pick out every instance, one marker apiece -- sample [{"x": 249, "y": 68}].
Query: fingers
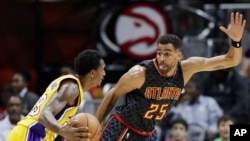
[
  {"x": 237, "y": 19},
  {"x": 224, "y": 29},
  {"x": 82, "y": 129},
  {"x": 240, "y": 19},
  {"x": 72, "y": 123},
  {"x": 81, "y": 136},
  {"x": 80, "y": 139},
  {"x": 244, "y": 23},
  {"x": 232, "y": 18}
]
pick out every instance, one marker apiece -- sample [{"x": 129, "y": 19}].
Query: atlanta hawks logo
[{"x": 134, "y": 31}]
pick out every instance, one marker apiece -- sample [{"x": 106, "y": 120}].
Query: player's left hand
[{"x": 237, "y": 25}]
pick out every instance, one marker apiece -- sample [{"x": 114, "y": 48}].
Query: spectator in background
[
  {"x": 229, "y": 89},
  {"x": 245, "y": 73},
  {"x": 14, "y": 114},
  {"x": 19, "y": 85},
  {"x": 67, "y": 68},
  {"x": 199, "y": 111},
  {"x": 5, "y": 93},
  {"x": 224, "y": 128},
  {"x": 178, "y": 130},
  {"x": 245, "y": 66}
]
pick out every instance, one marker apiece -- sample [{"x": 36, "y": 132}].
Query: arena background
[{"x": 42, "y": 34}]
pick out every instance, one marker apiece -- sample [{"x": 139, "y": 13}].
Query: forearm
[
  {"x": 105, "y": 107},
  {"x": 48, "y": 120},
  {"x": 235, "y": 55}
]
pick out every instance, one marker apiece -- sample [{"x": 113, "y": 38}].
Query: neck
[
  {"x": 85, "y": 82},
  {"x": 170, "y": 73}
]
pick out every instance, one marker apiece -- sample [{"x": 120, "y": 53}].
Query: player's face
[
  {"x": 179, "y": 131},
  {"x": 99, "y": 73},
  {"x": 167, "y": 57}
]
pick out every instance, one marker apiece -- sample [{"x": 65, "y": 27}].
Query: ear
[
  {"x": 180, "y": 55},
  {"x": 92, "y": 73}
]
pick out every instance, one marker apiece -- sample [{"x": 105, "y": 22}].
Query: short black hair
[
  {"x": 179, "y": 120},
  {"x": 172, "y": 39},
  {"x": 86, "y": 61},
  {"x": 25, "y": 74},
  {"x": 14, "y": 95}
]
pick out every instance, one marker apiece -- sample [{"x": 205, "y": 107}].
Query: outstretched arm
[
  {"x": 136, "y": 75},
  {"x": 232, "y": 58}
]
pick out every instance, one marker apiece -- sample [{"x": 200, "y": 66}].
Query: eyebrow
[{"x": 164, "y": 50}]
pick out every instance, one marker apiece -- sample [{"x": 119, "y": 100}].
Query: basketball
[{"x": 89, "y": 120}]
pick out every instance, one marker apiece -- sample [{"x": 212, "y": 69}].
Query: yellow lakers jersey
[{"x": 31, "y": 120}]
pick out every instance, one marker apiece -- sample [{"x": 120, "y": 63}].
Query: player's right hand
[{"x": 73, "y": 133}]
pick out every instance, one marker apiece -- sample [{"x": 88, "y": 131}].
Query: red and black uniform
[{"x": 136, "y": 118}]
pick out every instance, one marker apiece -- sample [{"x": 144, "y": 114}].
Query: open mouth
[{"x": 162, "y": 67}]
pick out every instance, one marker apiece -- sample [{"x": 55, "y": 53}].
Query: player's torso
[
  {"x": 31, "y": 120},
  {"x": 144, "y": 107}
]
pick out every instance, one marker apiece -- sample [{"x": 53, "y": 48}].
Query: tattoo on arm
[{"x": 219, "y": 67}]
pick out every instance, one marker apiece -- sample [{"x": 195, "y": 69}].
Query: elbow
[
  {"x": 41, "y": 118},
  {"x": 233, "y": 61},
  {"x": 236, "y": 62},
  {"x": 113, "y": 100}
]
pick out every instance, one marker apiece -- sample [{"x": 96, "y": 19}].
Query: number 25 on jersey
[{"x": 156, "y": 111}]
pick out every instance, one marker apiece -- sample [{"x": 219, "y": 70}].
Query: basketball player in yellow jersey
[{"x": 51, "y": 113}]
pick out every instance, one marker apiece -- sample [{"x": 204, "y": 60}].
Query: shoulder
[
  {"x": 136, "y": 71},
  {"x": 134, "y": 77},
  {"x": 210, "y": 100},
  {"x": 4, "y": 121},
  {"x": 190, "y": 61},
  {"x": 70, "y": 84},
  {"x": 70, "y": 88}
]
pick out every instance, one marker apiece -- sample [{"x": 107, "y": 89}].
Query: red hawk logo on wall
[{"x": 133, "y": 30}]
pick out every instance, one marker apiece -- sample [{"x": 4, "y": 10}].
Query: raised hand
[{"x": 236, "y": 29}]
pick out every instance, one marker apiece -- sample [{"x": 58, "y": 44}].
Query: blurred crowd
[{"x": 209, "y": 104}]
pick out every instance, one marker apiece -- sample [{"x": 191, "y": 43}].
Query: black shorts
[{"x": 117, "y": 131}]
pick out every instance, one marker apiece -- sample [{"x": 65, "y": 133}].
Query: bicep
[
  {"x": 130, "y": 81},
  {"x": 64, "y": 95},
  {"x": 194, "y": 65},
  {"x": 55, "y": 105},
  {"x": 199, "y": 64},
  {"x": 209, "y": 64}
]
